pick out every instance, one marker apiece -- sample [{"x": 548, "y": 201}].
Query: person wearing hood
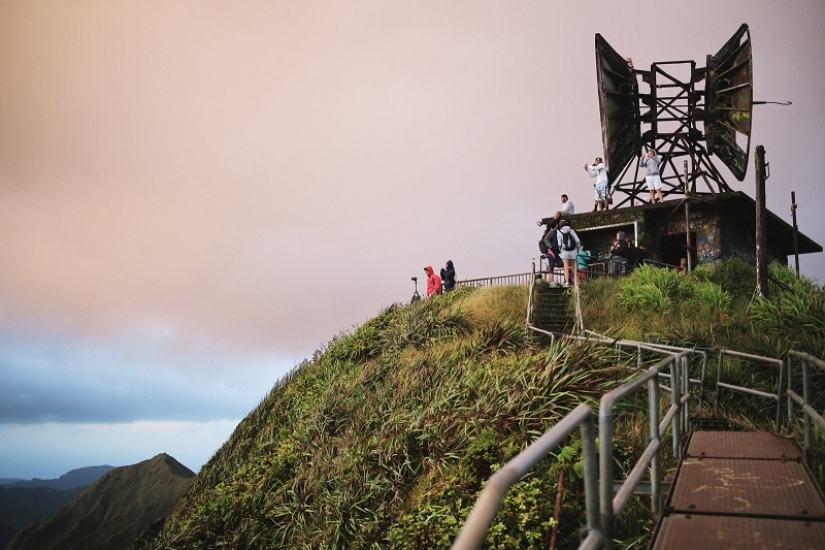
[
  {"x": 569, "y": 245},
  {"x": 619, "y": 249},
  {"x": 448, "y": 276},
  {"x": 651, "y": 161},
  {"x": 601, "y": 195},
  {"x": 433, "y": 282}
]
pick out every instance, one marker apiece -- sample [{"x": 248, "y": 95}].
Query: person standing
[
  {"x": 448, "y": 276},
  {"x": 601, "y": 198},
  {"x": 433, "y": 282},
  {"x": 620, "y": 251},
  {"x": 651, "y": 161},
  {"x": 567, "y": 208},
  {"x": 569, "y": 245}
]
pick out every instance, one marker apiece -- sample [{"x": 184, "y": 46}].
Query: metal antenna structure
[{"x": 686, "y": 113}]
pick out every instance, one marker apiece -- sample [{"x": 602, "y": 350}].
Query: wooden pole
[
  {"x": 761, "y": 217},
  {"x": 795, "y": 233}
]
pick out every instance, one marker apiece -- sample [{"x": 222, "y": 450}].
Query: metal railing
[
  {"x": 810, "y": 415},
  {"x": 474, "y": 532},
  {"x": 597, "y": 480},
  {"x": 509, "y": 280},
  {"x": 741, "y": 389}
]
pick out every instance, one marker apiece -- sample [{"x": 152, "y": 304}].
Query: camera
[{"x": 414, "y": 279}]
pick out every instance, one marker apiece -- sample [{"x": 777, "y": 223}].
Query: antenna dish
[
  {"x": 618, "y": 107},
  {"x": 729, "y": 102}
]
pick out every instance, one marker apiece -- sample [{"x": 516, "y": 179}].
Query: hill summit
[{"x": 113, "y": 511}]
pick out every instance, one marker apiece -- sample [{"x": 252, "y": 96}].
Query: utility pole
[
  {"x": 795, "y": 233},
  {"x": 761, "y": 217}
]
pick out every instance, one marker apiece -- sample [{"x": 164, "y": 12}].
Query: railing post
[
  {"x": 606, "y": 473},
  {"x": 719, "y": 379},
  {"x": 806, "y": 396},
  {"x": 676, "y": 401},
  {"x": 655, "y": 488}
]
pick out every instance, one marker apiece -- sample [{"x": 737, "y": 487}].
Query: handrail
[
  {"x": 598, "y": 477},
  {"x": 474, "y": 532},
  {"x": 511, "y": 280},
  {"x": 809, "y": 413},
  {"x": 776, "y": 397},
  {"x": 611, "y": 506}
]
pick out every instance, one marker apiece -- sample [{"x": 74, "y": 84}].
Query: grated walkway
[{"x": 742, "y": 490}]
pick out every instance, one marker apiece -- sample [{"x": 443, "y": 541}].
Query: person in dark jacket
[
  {"x": 620, "y": 252},
  {"x": 433, "y": 282},
  {"x": 448, "y": 276}
]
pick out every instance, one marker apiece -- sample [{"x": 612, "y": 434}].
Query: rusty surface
[
  {"x": 738, "y": 533},
  {"x": 767, "y": 488},
  {"x": 757, "y": 445}
]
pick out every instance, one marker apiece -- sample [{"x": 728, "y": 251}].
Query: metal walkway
[{"x": 742, "y": 490}]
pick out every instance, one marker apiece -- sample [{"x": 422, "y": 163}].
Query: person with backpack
[
  {"x": 569, "y": 245},
  {"x": 602, "y": 184},
  {"x": 448, "y": 276},
  {"x": 549, "y": 247}
]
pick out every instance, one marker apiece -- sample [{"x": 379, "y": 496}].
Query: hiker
[
  {"x": 601, "y": 198},
  {"x": 549, "y": 246},
  {"x": 569, "y": 245},
  {"x": 651, "y": 161},
  {"x": 567, "y": 208},
  {"x": 448, "y": 276},
  {"x": 582, "y": 259},
  {"x": 619, "y": 249},
  {"x": 433, "y": 282}
]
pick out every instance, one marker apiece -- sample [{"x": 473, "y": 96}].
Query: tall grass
[{"x": 385, "y": 438}]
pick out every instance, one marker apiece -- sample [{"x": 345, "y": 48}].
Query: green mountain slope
[
  {"x": 113, "y": 511},
  {"x": 385, "y": 438}
]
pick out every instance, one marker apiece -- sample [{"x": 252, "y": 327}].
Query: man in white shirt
[
  {"x": 601, "y": 198},
  {"x": 567, "y": 208}
]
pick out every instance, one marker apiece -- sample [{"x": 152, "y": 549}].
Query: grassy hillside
[{"x": 384, "y": 438}]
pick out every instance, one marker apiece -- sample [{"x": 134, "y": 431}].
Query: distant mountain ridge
[
  {"x": 27, "y": 501},
  {"x": 79, "y": 477},
  {"x": 113, "y": 511}
]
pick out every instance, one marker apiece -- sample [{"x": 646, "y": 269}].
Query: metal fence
[
  {"x": 598, "y": 473},
  {"x": 672, "y": 374}
]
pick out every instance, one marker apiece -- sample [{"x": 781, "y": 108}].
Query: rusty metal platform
[
  {"x": 746, "y": 490},
  {"x": 754, "y": 445},
  {"x": 738, "y": 533}
]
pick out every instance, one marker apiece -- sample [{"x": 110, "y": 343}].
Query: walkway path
[{"x": 742, "y": 490}]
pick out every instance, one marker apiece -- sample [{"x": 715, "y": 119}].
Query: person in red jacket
[{"x": 433, "y": 281}]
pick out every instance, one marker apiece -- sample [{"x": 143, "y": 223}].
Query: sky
[{"x": 197, "y": 195}]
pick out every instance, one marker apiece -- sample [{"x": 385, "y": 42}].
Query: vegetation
[{"x": 385, "y": 438}]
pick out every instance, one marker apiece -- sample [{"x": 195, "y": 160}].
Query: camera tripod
[{"x": 416, "y": 296}]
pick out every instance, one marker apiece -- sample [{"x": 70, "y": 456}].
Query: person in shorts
[
  {"x": 601, "y": 196},
  {"x": 651, "y": 161}
]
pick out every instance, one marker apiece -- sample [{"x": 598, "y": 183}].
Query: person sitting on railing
[
  {"x": 567, "y": 208},
  {"x": 433, "y": 282},
  {"x": 448, "y": 276}
]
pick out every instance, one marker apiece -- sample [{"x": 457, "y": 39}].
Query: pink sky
[{"x": 208, "y": 191}]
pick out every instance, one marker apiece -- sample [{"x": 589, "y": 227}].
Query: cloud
[
  {"x": 50, "y": 450},
  {"x": 136, "y": 377}
]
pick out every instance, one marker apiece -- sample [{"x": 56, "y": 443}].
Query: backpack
[
  {"x": 542, "y": 246},
  {"x": 567, "y": 241}
]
